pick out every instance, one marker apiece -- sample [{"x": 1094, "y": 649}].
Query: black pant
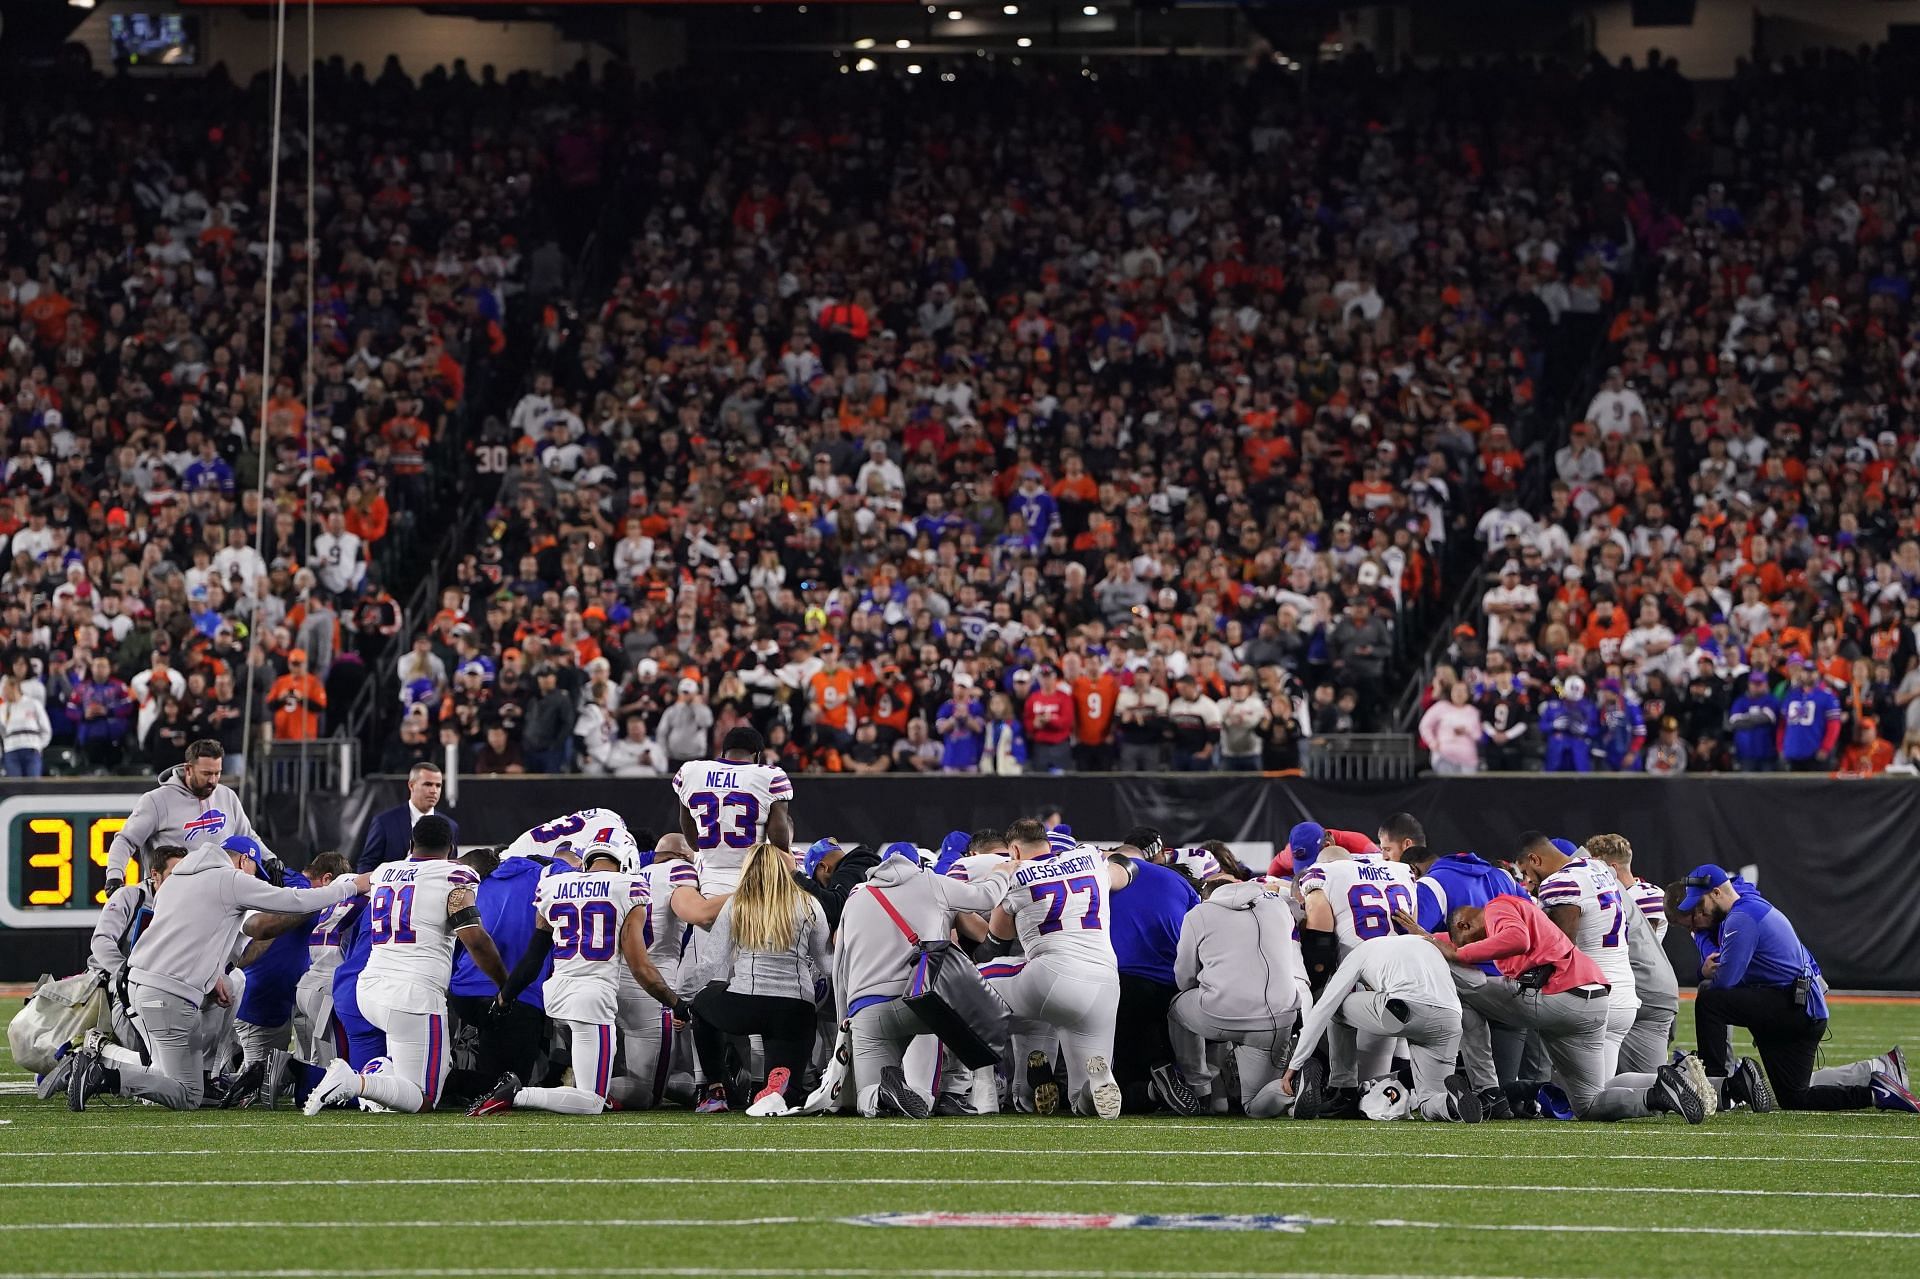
[
  {"x": 1140, "y": 1039},
  {"x": 1787, "y": 1038},
  {"x": 786, "y": 1026},
  {"x": 1103, "y": 758},
  {"x": 1813, "y": 765},
  {"x": 509, "y": 1042}
]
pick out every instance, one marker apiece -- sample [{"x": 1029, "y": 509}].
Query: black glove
[
  {"x": 682, "y": 1011},
  {"x": 115, "y": 883},
  {"x": 499, "y": 1008}
]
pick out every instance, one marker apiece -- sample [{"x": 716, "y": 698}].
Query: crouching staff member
[
  {"x": 1763, "y": 978},
  {"x": 1219, "y": 999},
  {"x": 1549, "y": 986},
  {"x": 177, "y": 964},
  {"x": 1409, "y": 996},
  {"x": 871, "y": 973},
  {"x": 759, "y": 966}
]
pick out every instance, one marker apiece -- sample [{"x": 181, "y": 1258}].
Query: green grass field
[{"x": 127, "y": 1190}]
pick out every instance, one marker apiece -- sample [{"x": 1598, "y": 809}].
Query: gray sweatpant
[
  {"x": 1432, "y": 1035},
  {"x": 1575, "y": 1033},
  {"x": 177, "y": 1033},
  {"x": 1259, "y": 1054},
  {"x": 1645, "y": 1048},
  {"x": 881, "y": 1033}
]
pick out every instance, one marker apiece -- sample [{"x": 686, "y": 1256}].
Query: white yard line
[
  {"x": 1051, "y": 1183},
  {"x": 706, "y": 1272},
  {"x": 1023, "y": 1151},
  {"x": 1560, "y": 1228}
]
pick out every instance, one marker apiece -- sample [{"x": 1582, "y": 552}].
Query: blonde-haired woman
[{"x": 767, "y": 950}]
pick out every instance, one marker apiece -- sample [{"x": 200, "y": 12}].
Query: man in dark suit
[{"x": 389, "y": 833}]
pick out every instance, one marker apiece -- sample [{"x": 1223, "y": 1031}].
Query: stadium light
[
  {"x": 913, "y": 68},
  {"x": 1024, "y": 42},
  {"x": 81, "y": 4},
  {"x": 954, "y": 15},
  {"x": 1010, "y": 9},
  {"x": 1092, "y": 10},
  {"x": 865, "y": 64},
  {"x": 903, "y": 43},
  {"x": 864, "y": 42}
]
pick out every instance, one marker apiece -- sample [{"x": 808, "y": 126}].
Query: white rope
[
  {"x": 266, "y": 364},
  {"x": 312, "y": 270}
]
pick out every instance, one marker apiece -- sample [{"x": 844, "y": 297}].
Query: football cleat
[
  {"x": 55, "y": 1080},
  {"x": 1463, "y": 1103},
  {"x": 245, "y": 1086},
  {"x": 714, "y": 1102},
  {"x": 87, "y": 1077},
  {"x": 952, "y": 1106},
  {"x": 499, "y": 1098},
  {"x": 1705, "y": 1088},
  {"x": 1107, "y": 1097},
  {"x": 771, "y": 1102},
  {"x": 1672, "y": 1091},
  {"x": 897, "y": 1097},
  {"x": 1750, "y": 1086},
  {"x": 1888, "y": 1094},
  {"x": 1046, "y": 1089},
  {"x": 1897, "y": 1065},
  {"x": 1494, "y": 1104},
  {"x": 338, "y": 1087},
  {"x": 1310, "y": 1089},
  {"x": 1174, "y": 1090}
]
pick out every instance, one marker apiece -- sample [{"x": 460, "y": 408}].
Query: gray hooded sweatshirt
[
  {"x": 1223, "y": 942},
  {"x": 197, "y": 914},
  {"x": 870, "y": 953},
  {"x": 172, "y": 814}
]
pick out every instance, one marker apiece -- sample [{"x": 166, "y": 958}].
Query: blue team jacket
[
  {"x": 1147, "y": 916},
  {"x": 268, "y": 998},
  {"x": 1460, "y": 879},
  {"x": 506, "y": 911}
]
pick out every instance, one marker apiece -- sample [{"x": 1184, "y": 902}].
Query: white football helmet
[{"x": 1386, "y": 1098}]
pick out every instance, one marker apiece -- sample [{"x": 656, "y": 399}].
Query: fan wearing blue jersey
[{"x": 591, "y": 925}]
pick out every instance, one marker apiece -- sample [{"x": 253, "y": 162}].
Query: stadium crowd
[
  {"x": 938, "y": 468},
  {"x": 1724, "y": 572},
  {"x": 1018, "y": 969}
]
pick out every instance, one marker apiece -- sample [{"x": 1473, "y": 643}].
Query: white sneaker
[
  {"x": 1702, "y": 1084},
  {"x": 1105, "y": 1088},
  {"x": 340, "y": 1085},
  {"x": 770, "y": 1106}
]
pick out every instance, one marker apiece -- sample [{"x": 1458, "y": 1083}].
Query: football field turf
[{"x": 127, "y": 1190}]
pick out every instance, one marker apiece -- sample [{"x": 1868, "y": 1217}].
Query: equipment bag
[
  {"x": 950, "y": 997},
  {"x": 58, "y": 1013}
]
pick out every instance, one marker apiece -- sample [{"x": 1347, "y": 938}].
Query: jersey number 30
[
  {"x": 588, "y": 931},
  {"x": 738, "y": 810}
]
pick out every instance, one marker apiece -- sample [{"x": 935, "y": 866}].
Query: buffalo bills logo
[{"x": 208, "y": 823}]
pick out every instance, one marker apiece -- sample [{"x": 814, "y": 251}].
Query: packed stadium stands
[{"x": 1145, "y": 419}]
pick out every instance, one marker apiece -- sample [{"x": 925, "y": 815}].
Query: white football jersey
[
  {"x": 1363, "y": 890},
  {"x": 570, "y": 833},
  {"x": 975, "y": 865},
  {"x": 1652, "y": 901},
  {"x": 666, "y": 932},
  {"x": 730, "y": 802},
  {"x": 1059, "y": 908},
  {"x": 587, "y": 912},
  {"x": 411, "y": 959},
  {"x": 326, "y": 938},
  {"x": 1602, "y": 933}
]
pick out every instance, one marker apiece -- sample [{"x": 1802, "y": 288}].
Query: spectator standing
[
  {"x": 1244, "y": 720},
  {"x": 1755, "y": 722},
  {"x": 1810, "y": 720},
  {"x": 1143, "y": 728},
  {"x": 1096, "y": 696},
  {"x": 24, "y": 729},
  {"x": 1194, "y": 721},
  {"x": 637, "y": 754},
  {"x": 297, "y": 699},
  {"x": 547, "y": 735},
  {"x": 1005, "y": 752},
  {"x": 1451, "y": 731},
  {"x": 686, "y": 726},
  {"x": 1049, "y": 719},
  {"x": 962, "y": 724}
]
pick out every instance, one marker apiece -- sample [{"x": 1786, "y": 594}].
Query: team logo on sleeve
[{"x": 209, "y": 824}]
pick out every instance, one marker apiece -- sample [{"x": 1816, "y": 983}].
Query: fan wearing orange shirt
[
  {"x": 1869, "y": 754},
  {"x": 297, "y": 699},
  {"x": 830, "y": 700},
  {"x": 1093, "y": 702},
  {"x": 1605, "y": 629}
]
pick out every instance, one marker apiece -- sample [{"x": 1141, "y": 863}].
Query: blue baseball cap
[
  {"x": 952, "y": 849},
  {"x": 1700, "y": 881},
  {"x": 1566, "y": 846},
  {"x": 817, "y": 852},
  {"x": 901, "y": 848},
  {"x": 249, "y": 847},
  {"x": 1304, "y": 842}
]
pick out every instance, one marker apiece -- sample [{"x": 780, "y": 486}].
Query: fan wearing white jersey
[
  {"x": 1353, "y": 896},
  {"x": 416, "y": 910},
  {"x": 728, "y": 805},
  {"x": 1583, "y": 898},
  {"x": 1069, "y": 981},
  {"x": 318, "y": 1037},
  {"x": 594, "y": 926},
  {"x": 569, "y": 834}
]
